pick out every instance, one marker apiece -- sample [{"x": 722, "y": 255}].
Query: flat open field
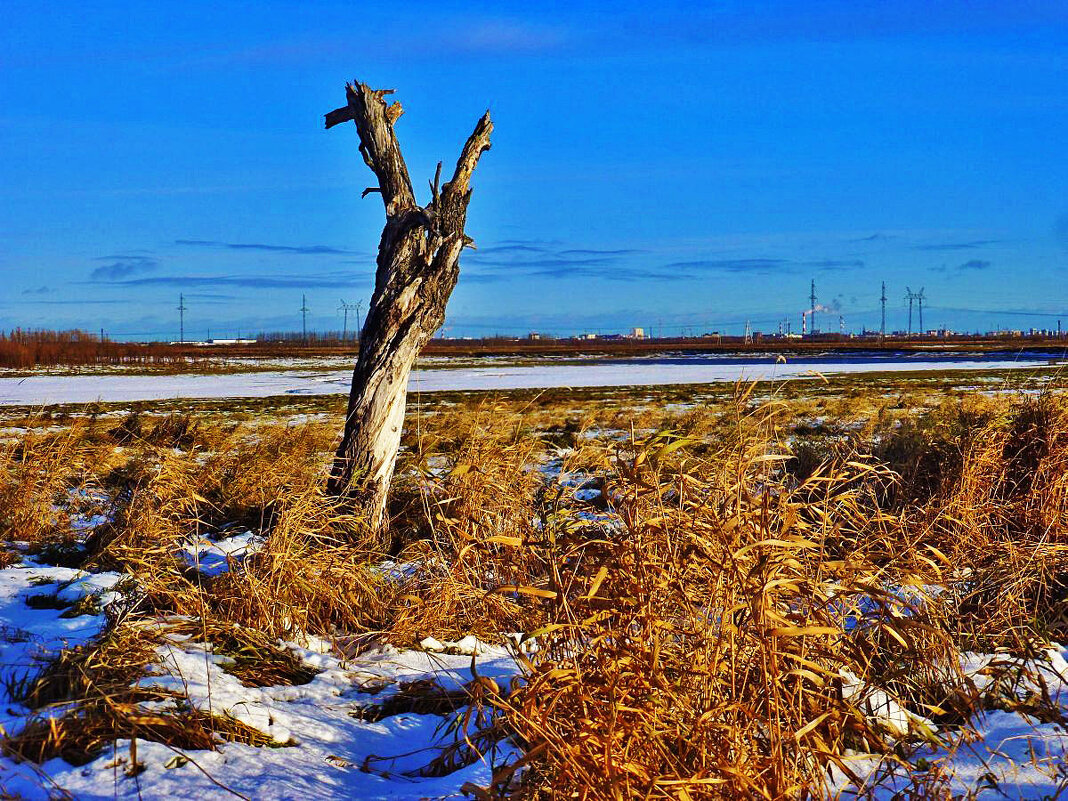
[{"x": 327, "y": 376}]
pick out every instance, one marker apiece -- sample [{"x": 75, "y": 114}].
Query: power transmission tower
[
  {"x": 748, "y": 334},
  {"x": 812, "y": 306},
  {"x": 920, "y": 298},
  {"x": 304, "y": 318},
  {"x": 882, "y": 325},
  {"x": 910, "y": 296},
  {"x": 346, "y": 308},
  {"x": 181, "y": 318}
]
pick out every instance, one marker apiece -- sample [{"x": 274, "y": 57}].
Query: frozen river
[{"x": 45, "y": 390}]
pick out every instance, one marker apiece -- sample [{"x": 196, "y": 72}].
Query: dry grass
[
  {"x": 309, "y": 578},
  {"x": 95, "y": 685},
  {"x": 482, "y": 505},
  {"x": 1002, "y": 520},
  {"x": 81, "y": 736},
  {"x": 37, "y": 471},
  {"x": 699, "y": 646},
  {"x": 713, "y": 625}
]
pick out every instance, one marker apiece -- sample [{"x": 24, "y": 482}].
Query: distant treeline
[
  {"x": 23, "y": 349},
  {"x": 26, "y": 349}
]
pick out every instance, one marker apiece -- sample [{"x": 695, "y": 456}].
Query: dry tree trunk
[{"x": 418, "y": 266}]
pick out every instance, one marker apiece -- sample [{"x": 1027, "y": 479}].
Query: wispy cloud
[
  {"x": 304, "y": 250},
  {"x": 730, "y": 265},
  {"x": 502, "y": 262},
  {"x": 876, "y": 237},
  {"x": 210, "y": 297},
  {"x": 433, "y": 37},
  {"x": 592, "y": 252},
  {"x": 324, "y": 281},
  {"x": 970, "y": 265},
  {"x": 122, "y": 265},
  {"x": 764, "y": 265},
  {"x": 41, "y": 290},
  {"x": 973, "y": 245},
  {"x": 496, "y": 250},
  {"x": 548, "y": 261},
  {"x": 83, "y": 302},
  {"x": 532, "y": 258},
  {"x": 614, "y": 272},
  {"x": 834, "y": 264}
]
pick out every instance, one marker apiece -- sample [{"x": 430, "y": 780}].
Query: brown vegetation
[
  {"x": 713, "y": 624},
  {"x": 25, "y": 349}
]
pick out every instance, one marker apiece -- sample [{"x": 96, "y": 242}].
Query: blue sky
[{"x": 686, "y": 168}]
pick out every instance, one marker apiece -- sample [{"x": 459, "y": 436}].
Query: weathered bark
[{"x": 418, "y": 266}]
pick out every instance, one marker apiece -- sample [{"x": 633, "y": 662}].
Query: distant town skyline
[{"x": 688, "y": 169}]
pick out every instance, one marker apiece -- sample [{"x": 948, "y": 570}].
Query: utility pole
[
  {"x": 920, "y": 298},
  {"x": 812, "y": 306},
  {"x": 910, "y": 296},
  {"x": 882, "y": 325},
  {"x": 181, "y": 318},
  {"x": 304, "y": 318}
]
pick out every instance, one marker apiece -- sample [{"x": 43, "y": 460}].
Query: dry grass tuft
[
  {"x": 95, "y": 685},
  {"x": 477, "y": 511},
  {"x": 1002, "y": 521},
  {"x": 258, "y": 659},
  {"x": 37, "y": 472},
  {"x": 312, "y": 576},
  {"x": 718, "y": 639},
  {"x": 82, "y": 735}
]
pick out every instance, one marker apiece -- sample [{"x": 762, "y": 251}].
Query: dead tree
[{"x": 418, "y": 266}]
